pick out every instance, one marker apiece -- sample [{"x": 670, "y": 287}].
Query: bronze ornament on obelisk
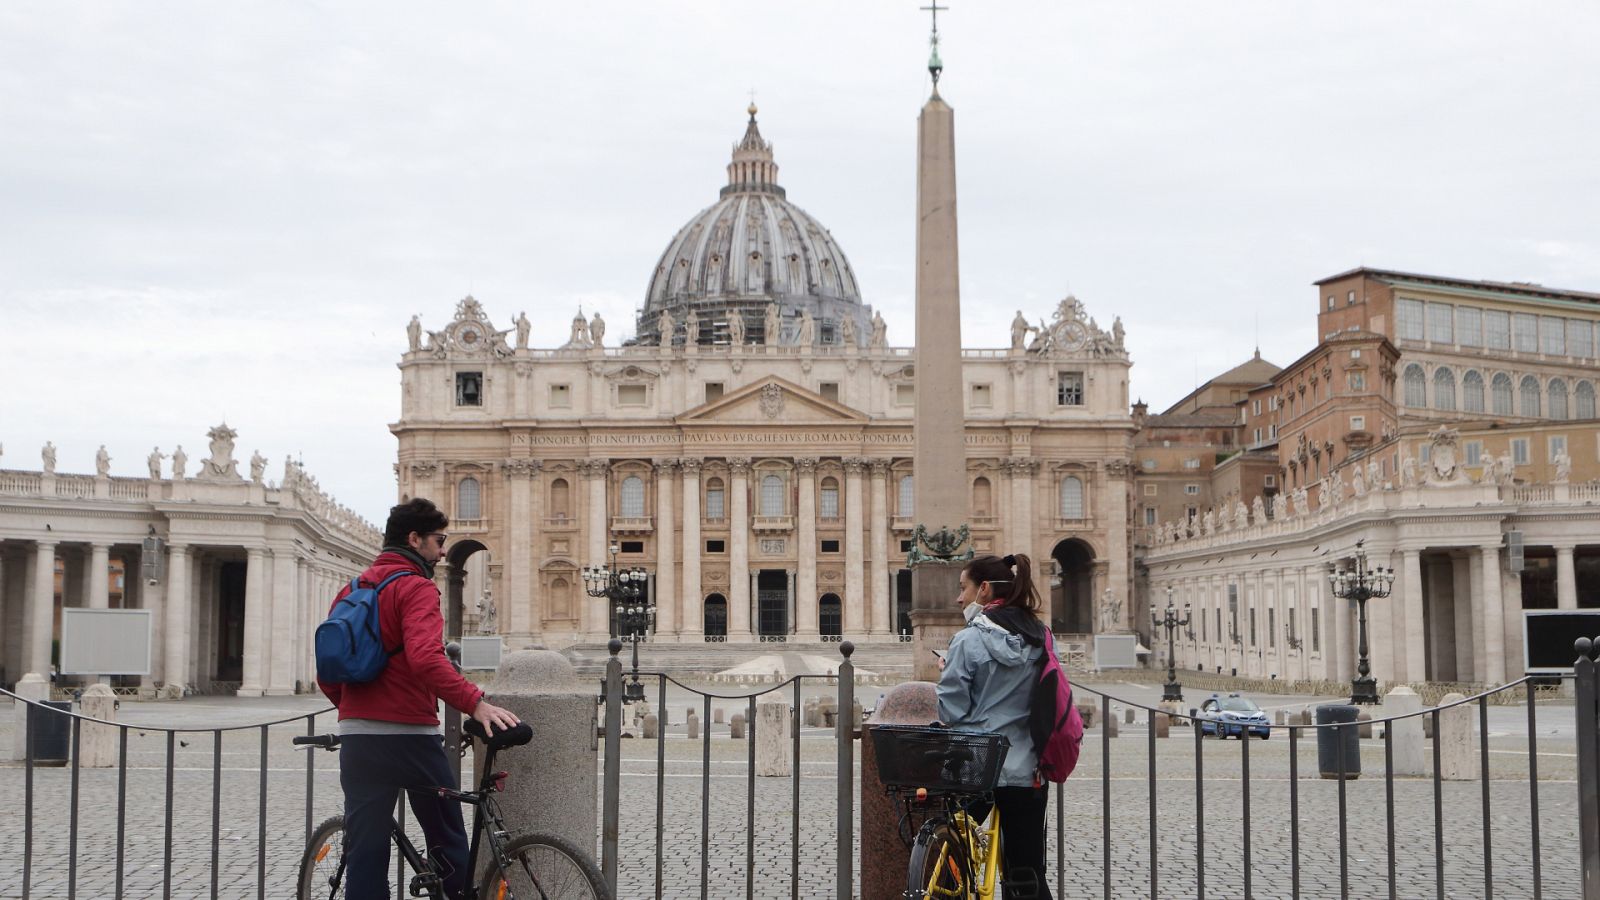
[{"x": 939, "y": 502}]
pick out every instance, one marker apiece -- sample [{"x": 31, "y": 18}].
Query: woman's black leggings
[{"x": 1022, "y": 840}]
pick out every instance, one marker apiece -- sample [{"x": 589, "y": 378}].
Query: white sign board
[
  {"x": 1116, "y": 651},
  {"x": 105, "y": 641},
  {"x": 480, "y": 653}
]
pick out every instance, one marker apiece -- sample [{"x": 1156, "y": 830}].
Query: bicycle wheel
[
  {"x": 322, "y": 864},
  {"x": 546, "y": 867},
  {"x": 939, "y": 866}
]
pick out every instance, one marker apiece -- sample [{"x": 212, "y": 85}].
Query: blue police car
[{"x": 1232, "y": 716}]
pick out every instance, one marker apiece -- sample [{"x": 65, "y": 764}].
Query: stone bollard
[
  {"x": 1161, "y": 722},
  {"x": 1305, "y": 717},
  {"x": 772, "y": 739},
  {"x": 1110, "y": 725},
  {"x": 718, "y": 714},
  {"x": 553, "y": 785},
  {"x": 1364, "y": 730},
  {"x": 1410, "y": 757},
  {"x": 736, "y": 727},
  {"x": 692, "y": 726},
  {"x": 32, "y": 686},
  {"x": 1127, "y": 716},
  {"x": 1427, "y": 727},
  {"x": 652, "y": 727},
  {"x": 1458, "y": 751},
  {"x": 97, "y": 744},
  {"x": 813, "y": 713},
  {"x": 855, "y": 716},
  {"x": 884, "y": 860},
  {"x": 829, "y": 708},
  {"x": 1280, "y": 717}
]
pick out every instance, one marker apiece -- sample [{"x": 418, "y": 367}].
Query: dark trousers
[
  {"x": 373, "y": 769},
  {"x": 1022, "y": 840}
]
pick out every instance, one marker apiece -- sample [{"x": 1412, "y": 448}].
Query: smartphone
[{"x": 936, "y": 653}]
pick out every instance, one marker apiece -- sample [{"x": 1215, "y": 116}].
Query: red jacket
[{"x": 408, "y": 688}]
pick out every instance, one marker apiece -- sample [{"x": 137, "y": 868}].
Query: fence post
[
  {"x": 1587, "y": 691},
  {"x": 613, "y": 787},
  {"x": 844, "y": 726}
]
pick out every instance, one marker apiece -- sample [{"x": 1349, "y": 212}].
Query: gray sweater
[{"x": 986, "y": 685}]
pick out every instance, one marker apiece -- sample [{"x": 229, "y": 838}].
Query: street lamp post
[
  {"x": 1172, "y": 690},
  {"x": 623, "y": 590},
  {"x": 1362, "y": 584}
]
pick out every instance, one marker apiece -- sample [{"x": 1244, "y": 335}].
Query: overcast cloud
[{"x": 231, "y": 210}]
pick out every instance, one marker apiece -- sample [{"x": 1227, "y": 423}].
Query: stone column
[
  {"x": 39, "y": 617},
  {"x": 1021, "y": 529},
  {"x": 882, "y": 618},
  {"x": 97, "y": 586},
  {"x": 1410, "y": 664},
  {"x": 739, "y": 553},
  {"x": 667, "y": 619},
  {"x": 255, "y": 623},
  {"x": 596, "y": 618},
  {"x": 284, "y": 642},
  {"x": 1460, "y": 648},
  {"x": 1566, "y": 578},
  {"x": 1113, "y": 510},
  {"x": 855, "y": 622},
  {"x": 806, "y": 577},
  {"x": 518, "y": 622},
  {"x": 177, "y": 602},
  {"x": 1494, "y": 635},
  {"x": 692, "y": 626}
]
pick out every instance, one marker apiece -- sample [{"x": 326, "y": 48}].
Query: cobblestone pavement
[{"x": 1125, "y": 770}]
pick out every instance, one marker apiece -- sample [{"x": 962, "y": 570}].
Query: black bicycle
[{"x": 522, "y": 867}]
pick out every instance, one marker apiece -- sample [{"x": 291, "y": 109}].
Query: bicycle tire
[
  {"x": 939, "y": 867},
  {"x": 561, "y": 869},
  {"x": 322, "y": 859}
]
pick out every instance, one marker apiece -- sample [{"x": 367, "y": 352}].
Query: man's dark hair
[{"x": 417, "y": 514}]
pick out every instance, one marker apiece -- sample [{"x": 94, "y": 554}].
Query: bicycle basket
[{"x": 939, "y": 759}]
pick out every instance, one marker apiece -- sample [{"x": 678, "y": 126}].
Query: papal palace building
[{"x": 751, "y": 448}]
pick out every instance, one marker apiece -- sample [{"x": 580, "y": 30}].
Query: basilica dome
[{"x": 750, "y": 249}]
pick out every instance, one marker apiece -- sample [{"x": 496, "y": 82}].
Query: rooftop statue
[
  {"x": 597, "y": 330},
  {"x": 47, "y": 453},
  {"x": 102, "y": 462}
]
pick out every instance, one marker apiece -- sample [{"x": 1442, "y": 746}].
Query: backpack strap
[{"x": 355, "y": 583}]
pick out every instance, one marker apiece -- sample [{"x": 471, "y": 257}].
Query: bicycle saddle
[{"x": 505, "y": 737}]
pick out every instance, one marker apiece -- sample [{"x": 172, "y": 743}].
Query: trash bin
[
  {"x": 50, "y": 733},
  {"x": 1329, "y": 739}
]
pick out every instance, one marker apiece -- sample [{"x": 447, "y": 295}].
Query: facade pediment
[{"x": 772, "y": 400}]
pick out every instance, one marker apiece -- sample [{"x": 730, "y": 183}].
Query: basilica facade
[{"x": 750, "y": 448}]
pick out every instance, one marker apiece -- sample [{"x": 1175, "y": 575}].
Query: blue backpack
[{"x": 349, "y": 642}]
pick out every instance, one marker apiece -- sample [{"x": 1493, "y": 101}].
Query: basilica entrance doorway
[
  {"x": 830, "y": 617},
  {"x": 772, "y": 603},
  {"x": 1072, "y": 592},
  {"x": 716, "y": 624},
  {"x": 902, "y": 601}
]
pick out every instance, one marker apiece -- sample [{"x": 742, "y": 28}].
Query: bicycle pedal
[{"x": 424, "y": 884}]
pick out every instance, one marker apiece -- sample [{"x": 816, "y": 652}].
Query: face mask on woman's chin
[{"x": 971, "y": 611}]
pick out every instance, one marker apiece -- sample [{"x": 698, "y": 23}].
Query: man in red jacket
[{"x": 389, "y": 727}]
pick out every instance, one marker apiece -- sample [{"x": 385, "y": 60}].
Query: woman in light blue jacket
[{"x": 987, "y": 684}]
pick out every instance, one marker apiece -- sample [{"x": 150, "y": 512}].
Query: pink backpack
[{"x": 1053, "y": 720}]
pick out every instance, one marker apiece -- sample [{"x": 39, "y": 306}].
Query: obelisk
[{"x": 939, "y": 455}]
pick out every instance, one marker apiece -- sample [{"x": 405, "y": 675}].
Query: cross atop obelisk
[
  {"x": 935, "y": 65},
  {"x": 939, "y": 456}
]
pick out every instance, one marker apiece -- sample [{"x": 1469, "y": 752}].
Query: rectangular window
[
  {"x": 1358, "y": 423},
  {"x": 1316, "y": 631},
  {"x": 633, "y": 546},
  {"x": 1069, "y": 389},
  {"x": 982, "y": 396},
  {"x": 1408, "y": 319},
  {"x": 1526, "y": 329},
  {"x": 1192, "y": 490},
  {"x": 1272, "y": 627},
  {"x": 1150, "y": 490},
  {"x": 905, "y": 546},
  {"x": 1358, "y": 381},
  {"x": 1441, "y": 323},
  {"x": 718, "y": 546},
  {"x": 1272, "y": 432},
  {"x": 1474, "y": 452},
  {"x": 829, "y": 390},
  {"x": 1469, "y": 326},
  {"x": 560, "y": 396},
  {"x": 1203, "y": 629},
  {"x": 1558, "y": 445},
  {"x": 1257, "y": 436},
  {"x": 1330, "y": 301},
  {"x": 1149, "y": 515},
  {"x": 632, "y": 394},
  {"x": 715, "y": 508},
  {"x": 1255, "y": 407},
  {"x": 1496, "y": 329},
  {"x": 830, "y": 546},
  {"x": 905, "y": 394},
  {"x": 713, "y": 391},
  {"x": 1193, "y": 511},
  {"x": 1219, "y": 624},
  {"x": 1519, "y": 451},
  {"x": 1350, "y": 299},
  {"x": 1270, "y": 481},
  {"x": 1252, "y": 626},
  {"x": 1191, "y": 463},
  {"x": 1580, "y": 339},
  {"x": 469, "y": 388},
  {"x": 1552, "y": 336},
  {"x": 830, "y": 503}
]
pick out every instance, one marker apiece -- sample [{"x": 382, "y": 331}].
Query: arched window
[
  {"x": 907, "y": 496},
  {"x": 1472, "y": 391},
  {"x": 716, "y": 499},
  {"x": 982, "y": 497},
  {"x": 1415, "y": 384},
  {"x": 829, "y": 507},
  {"x": 469, "y": 497},
  {"x": 771, "y": 495},
  {"x": 1500, "y": 393},
  {"x": 560, "y": 499},
  {"x": 1529, "y": 389},
  {"x": 1585, "y": 398},
  {"x": 632, "y": 497},
  {"x": 1071, "y": 498},
  {"x": 1444, "y": 388},
  {"x": 1557, "y": 393}
]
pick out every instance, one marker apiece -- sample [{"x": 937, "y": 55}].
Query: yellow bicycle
[{"x": 948, "y": 777}]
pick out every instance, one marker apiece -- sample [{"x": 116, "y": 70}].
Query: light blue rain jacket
[{"x": 987, "y": 682}]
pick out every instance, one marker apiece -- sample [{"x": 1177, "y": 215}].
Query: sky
[{"x": 217, "y": 212}]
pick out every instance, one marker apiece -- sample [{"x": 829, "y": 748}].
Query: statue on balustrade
[
  {"x": 736, "y": 328},
  {"x": 524, "y": 329},
  {"x": 180, "y": 463},
  {"x": 102, "y": 462},
  {"x": 258, "y": 466},
  {"x": 847, "y": 333},
  {"x": 597, "y": 330},
  {"x": 414, "y": 333},
  {"x": 155, "y": 458},
  {"x": 47, "y": 453}
]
